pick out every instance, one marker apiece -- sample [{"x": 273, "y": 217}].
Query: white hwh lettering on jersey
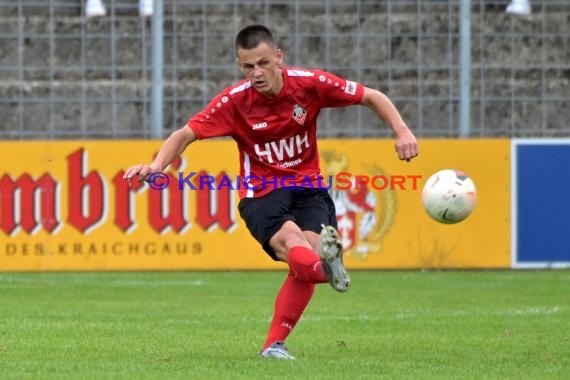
[{"x": 284, "y": 148}]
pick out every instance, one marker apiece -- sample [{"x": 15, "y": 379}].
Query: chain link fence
[{"x": 64, "y": 75}]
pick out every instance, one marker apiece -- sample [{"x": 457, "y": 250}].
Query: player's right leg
[{"x": 270, "y": 222}]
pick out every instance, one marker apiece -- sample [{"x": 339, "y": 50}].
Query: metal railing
[{"x": 64, "y": 75}]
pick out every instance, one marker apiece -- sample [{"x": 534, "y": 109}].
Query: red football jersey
[{"x": 276, "y": 136}]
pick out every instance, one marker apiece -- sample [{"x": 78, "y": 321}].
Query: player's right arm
[
  {"x": 215, "y": 120},
  {"x": 171, "y": 148}
]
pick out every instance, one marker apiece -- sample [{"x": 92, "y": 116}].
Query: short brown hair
[{"x": 251, "y": 36}]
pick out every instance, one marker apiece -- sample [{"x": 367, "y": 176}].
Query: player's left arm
[{"x": 406, "y": 143}]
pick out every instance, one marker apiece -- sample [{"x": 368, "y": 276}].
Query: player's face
[{"x": 261, "y": 65}]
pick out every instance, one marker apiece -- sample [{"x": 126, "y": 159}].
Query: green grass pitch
[{"x": 210, "y": 325}]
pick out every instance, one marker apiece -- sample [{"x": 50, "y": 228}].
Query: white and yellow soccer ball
[{"x": 449, "y": 196}]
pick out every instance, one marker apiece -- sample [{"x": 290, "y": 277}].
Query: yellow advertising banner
[{"x": 65, "y": 206}]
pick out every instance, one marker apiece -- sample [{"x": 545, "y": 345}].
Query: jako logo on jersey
[
  {"x": 284, "y": 148},
  {"x": 260, "y": 125},
  {"x": 299, "y": 114}
]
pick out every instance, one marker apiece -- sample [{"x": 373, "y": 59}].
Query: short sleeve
[
  {"x": 335, "y": 91},
  {"x": 215, "y": 120}
]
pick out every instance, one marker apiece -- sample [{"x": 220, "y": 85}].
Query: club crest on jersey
[{"x": 299, "y": 114}]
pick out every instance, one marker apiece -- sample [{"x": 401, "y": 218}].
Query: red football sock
[
  {"x": 290, "y": 303},
  {"x": 306, "y": 265}
]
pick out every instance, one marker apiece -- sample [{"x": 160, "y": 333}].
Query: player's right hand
[{"x": 140, "y": 172}]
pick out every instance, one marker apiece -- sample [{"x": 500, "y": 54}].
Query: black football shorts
[{"x": 308, "y": 208}]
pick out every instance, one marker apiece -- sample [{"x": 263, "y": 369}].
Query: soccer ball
[{"x": 449, "y": 196}]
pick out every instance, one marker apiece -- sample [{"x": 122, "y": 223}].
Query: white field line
[
  {"x": 423, "y": 314},
  {"x": 13, "y": 281}
]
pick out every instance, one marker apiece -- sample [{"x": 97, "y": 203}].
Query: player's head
[{"x": 259, "y": 59}]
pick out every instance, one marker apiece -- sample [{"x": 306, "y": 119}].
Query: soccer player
[{"x": 272, "y": 116}]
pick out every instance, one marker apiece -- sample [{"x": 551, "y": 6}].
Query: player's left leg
[{"x": 317, "y": 218}]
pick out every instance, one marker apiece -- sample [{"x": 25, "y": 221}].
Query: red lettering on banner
[
  {"x": 84, "y": 216},
  {"x": 124, "y": 207},
  {"x": 174, "y": 216},
  {"x": 31, "y": 204},
  {"x": 28, "y": 188},
  {"x": 214, "y": 206}
]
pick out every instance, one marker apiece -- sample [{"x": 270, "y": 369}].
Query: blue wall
[{"x": 542, "y": 185}]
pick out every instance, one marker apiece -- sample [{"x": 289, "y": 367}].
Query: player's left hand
[{"x": 406, "y": 144}]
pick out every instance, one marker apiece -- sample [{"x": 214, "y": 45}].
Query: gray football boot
[
  {"x": 331, "y": 257},
  {"x": 277, "y": 350}
]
